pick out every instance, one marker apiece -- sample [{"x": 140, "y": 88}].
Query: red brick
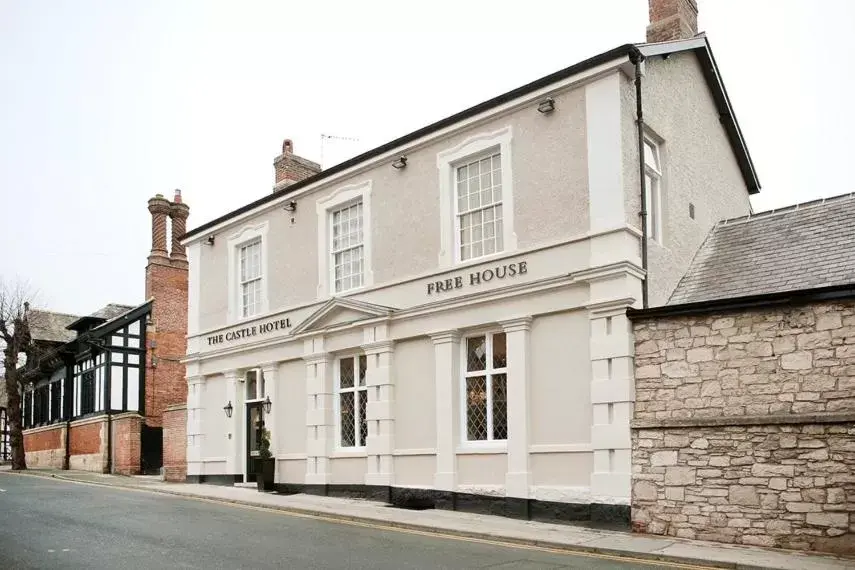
[{"x": 175, "y": 443}]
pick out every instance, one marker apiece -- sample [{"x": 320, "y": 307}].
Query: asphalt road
[{"x": 48, "y": 523}]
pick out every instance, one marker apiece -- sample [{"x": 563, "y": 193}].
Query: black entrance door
[{"x": 254, "y": 427}]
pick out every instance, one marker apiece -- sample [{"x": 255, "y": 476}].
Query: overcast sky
[{"x": 105, "y": 103}]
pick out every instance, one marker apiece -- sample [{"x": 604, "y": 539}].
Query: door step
[{"x": 248, "y": 485}]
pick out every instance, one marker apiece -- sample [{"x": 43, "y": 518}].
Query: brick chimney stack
[
  {"x": 291, "y": 168},
  {"x": 672, "y": 20},
  {"x": 178, "y": 213},
  {"x": 159, "y": 208}
]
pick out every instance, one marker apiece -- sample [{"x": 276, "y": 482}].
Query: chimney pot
[
  {"x": 672, "y": 20},
  {"x": 177, "y": 198},
  {"x": 287, "y": 147}
]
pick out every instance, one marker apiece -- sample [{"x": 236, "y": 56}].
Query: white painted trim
[
  {"x": 235, "y": 241},
  {"x": 323, "y": 208},
  {"x": 481, "y": 449},
  {"x": 212, "y": 460},
  {"x": 413, "y": 452},
  {"x": 490, "y": 115},
  {"x": 355, "y": 454},
  {"x": 561, "y": 448},
  {"x": 446, "y": 162}
]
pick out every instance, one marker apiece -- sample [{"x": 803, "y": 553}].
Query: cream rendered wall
[
  {"x": 215, "y": 442},
  {"x": 549, "y": 158},
  {"x": 415, "y": 470},
  {"x": 560, "y": 388},
  {"x": 562, "y": 469},
  {"x": 699, "y": 165},
  {"x": 482, "y": 469},
  {"x": 291, "y": 408},
  {"x": 348, "y": 470},
  {"x": 415, "y": 395}
]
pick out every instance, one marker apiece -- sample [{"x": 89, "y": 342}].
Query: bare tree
[{"x": 15, "y": 337}]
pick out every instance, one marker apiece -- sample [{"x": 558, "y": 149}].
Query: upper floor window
[
  {"x": 476, "y": 198},
  {"x": 250, "y": 278},
  {"x": 486, "y": 387},
  {"x": 653, "y": 186},
  {"x": 479, "y": 207},
  {"x": 352, "y": 400},
  {"x": 346, "y": 246}
]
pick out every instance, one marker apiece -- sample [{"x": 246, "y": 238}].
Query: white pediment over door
[{"x": 340, "y": 312}]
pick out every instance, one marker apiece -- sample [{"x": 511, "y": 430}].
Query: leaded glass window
[
  {"x": 486, "y": 387},
  {"x": 352, "y": 400}
]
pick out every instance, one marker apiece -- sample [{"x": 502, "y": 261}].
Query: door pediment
[{"x": 340, "y": 312}]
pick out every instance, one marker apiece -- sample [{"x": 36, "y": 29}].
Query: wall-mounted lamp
[
  {"x": 228, "y": 409},
  {"x": 267, "y": 404},
  {"x": 290, "y": 206},
  {"x": 400, "y": 163},
  {"x": 546, "y": 106},
  {"x": 210, "y": 240}
]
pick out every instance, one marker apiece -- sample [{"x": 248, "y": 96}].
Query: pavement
[{"x": 621, "y": 549}]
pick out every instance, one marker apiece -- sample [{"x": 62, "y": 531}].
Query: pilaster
[
  {"x": 518, "y": 477},
  {"x": 195, "y": 426},
  {"x": 446, "y": 346},
  {"x": 380, "y": 411},
  {"x": 233, "y": 433},
  {"x": 320, "y": 422},
  {"x": 270, "y": 371}
]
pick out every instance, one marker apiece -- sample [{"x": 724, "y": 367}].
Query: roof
[
  {"x": 47, "y": 326},
  {"x": 803, "y": 247},
  {"x": 112, "y": 311},
  {"x": 699, "y": 45}
]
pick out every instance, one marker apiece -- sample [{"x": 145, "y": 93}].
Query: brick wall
[
  {"x": 744, "y": 428},
  {"x": 45, "y": 447},
  {"x": 175, "y": 443},
  {"x": 88, "y": 443},
  {"x": 126, "y": 444},
  {"x": 166, "y": 282}
]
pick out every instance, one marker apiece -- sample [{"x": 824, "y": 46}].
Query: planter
[{"x": 265, "y": 471}]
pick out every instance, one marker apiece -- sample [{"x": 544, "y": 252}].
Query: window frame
[
  {"x": 458, "y": 241},
  {"x": 244, "y": 255},
  {"x": 447, "y": 161},
  {"x": 244, "y": 237},
  {"x": 355, "y": 390},
  {"x": 653, "y": 192},
  {"x": 488, "y": 372},
  {"x": 340, "y": 198},
  {"x": 332, "y": 253}
]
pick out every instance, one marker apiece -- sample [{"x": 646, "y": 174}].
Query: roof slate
[
  {"x": 800, "y": 247},
  {"x": 48, "y": 326},
  {"x": 112, "y": 311}
]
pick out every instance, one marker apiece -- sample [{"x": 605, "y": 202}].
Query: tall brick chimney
[
  {"x": 291, "y": 168},
  {"x": 178, "y": 213},
  {"x": 166, "y": 284},
  {"x": 672, "y": 20}
]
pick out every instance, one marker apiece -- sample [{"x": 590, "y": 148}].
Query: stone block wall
[
  {"x": 744, "y": 427},
  {"x": 175, "y": 443},
  {"x": 44, "y": 447}
]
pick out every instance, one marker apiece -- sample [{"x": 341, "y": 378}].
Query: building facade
[
  {"x": 99, "y": 386},
  {"x": 445, "y": 316}
]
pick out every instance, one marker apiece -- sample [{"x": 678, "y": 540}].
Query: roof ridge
[
  {"x": 786, "y": 209},
  {"x": 54, "y": 313}
]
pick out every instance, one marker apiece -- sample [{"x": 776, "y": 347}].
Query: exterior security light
[
  {"x": 267, "y": 405},
  {"x": 290, "y": 206},
  {"x": 546, "y": 106},
  {"x": 400, "y": 163},
  {"x": 228, "y": 409},
  {"x": 210, "y": 240}
]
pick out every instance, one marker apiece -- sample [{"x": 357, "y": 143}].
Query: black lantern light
[
  {"x": 228, "y": 409},
  {"x": 267, "y": 404}
]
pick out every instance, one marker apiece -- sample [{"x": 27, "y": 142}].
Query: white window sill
[
  {"x": 344, "y": 453},
  {"x": 482, "y": 448}
]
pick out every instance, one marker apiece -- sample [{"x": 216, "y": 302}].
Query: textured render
[
  {"x": 745, "y": 427},
  {"x": 801, "y": 247},
  {"x": 699, "y": 167},
  {"x": 550, "y": 189}
]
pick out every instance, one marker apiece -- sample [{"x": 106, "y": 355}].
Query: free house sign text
[{"x": 478, "y": 277}]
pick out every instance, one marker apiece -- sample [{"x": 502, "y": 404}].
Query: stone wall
[{"x": 744, "y": 427}]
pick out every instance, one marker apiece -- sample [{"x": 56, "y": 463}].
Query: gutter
[
  {"x": 637, "y": 58},
  {"x": 761, "y": 301}
]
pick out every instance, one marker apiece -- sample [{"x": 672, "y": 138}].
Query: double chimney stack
[{"x": 177, "y": 212}]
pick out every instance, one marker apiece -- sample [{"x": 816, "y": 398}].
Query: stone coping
[
  {"x": 719, "y": 421},
  {"x": 175, "y": 407},
  {"x": 49, "y": 427}
]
